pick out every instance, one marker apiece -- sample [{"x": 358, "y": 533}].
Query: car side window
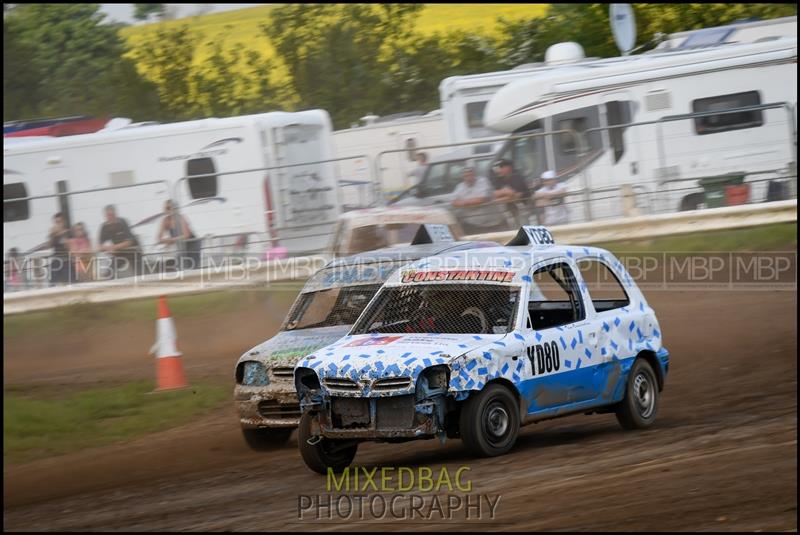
[
  {"x": 436, "y": 180},
  {"x": 603, "y": 285},
  {"x": 554, "y": 298}
]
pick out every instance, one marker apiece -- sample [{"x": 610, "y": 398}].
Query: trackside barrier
[
  {"x": 653, "y": 226},
  {"x": 300, "y": 268}
]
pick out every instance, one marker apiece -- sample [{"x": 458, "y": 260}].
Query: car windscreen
[
  {"x": 442, "y": 308},
  {"x": 333, "y": 306},
  {"x": 378, "y": 236}
]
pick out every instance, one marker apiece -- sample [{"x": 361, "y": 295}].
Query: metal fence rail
[{"x": 665, "y": 159}]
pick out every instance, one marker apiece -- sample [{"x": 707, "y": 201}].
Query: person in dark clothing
[
  {"x": 60, "y": 265},
  {"x": 508, "y": 184},
  {"x": 124, "y": 247},
  {"x": 171, "y": 233}
]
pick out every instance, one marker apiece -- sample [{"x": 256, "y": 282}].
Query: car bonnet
[{"x": 377, "y": 356}]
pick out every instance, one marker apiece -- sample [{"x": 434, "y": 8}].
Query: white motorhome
[
  {"x": 740, "y": 32},
  {"x": 199, "y": 163},
  {"x": 582, "y": 95},
  {"x": 402, "y": 131},
  {"x": 464, "y": 98}
]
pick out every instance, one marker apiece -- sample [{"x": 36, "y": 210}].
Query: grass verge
[
  {"x": 37, "y": 423},
  {"x": 77, "y": 317},
  {"x": 779, "y": 237}
]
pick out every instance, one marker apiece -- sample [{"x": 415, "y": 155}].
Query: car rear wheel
[
  {"x": 323, "y": 452},
  {"x": 639, "y": 407},
  {"x": 261, "y": 439},
  {"x": 489, "y": 421}
]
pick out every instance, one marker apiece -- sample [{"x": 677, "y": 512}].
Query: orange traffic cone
[{"x": 169, "y": 370}]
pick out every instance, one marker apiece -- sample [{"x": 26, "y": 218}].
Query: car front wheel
[
  {"x": 323, "y": 453},
  {"x": 489, "y": 421},
  {"x": 639, "y": 407}
]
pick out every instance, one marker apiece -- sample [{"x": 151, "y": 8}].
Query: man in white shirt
[
  {"x": 551, "y": 197},
  {"x": 473, "y": 190}
]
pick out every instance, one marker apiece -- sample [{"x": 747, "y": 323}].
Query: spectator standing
[
  {"x": 473, "y": 190},
  {"x": 124, "y": 247},
  {"x": 175, "y": 230},
  {"x": 419, "y": 172},
  {"x": 80, "y": 248},
  {"x": 550, "y": 197},
  {"x": 60, "y": 265},
  {"x": 509, "y": 185}
]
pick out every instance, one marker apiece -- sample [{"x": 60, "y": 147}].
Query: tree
[
  {"x": 338, "y": 55},
  {"x": 66, "y": 61},
  {"x": 588, "y": 24},
  {"x": 143, "y": 11},
  {"x": 230, "y": 81}
]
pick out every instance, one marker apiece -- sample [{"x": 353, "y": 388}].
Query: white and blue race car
[{"x": 474, "y": 344}]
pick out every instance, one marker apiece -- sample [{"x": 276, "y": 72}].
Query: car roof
[
  {"x": 512, "y": 258},
  {"x": 407, "y": 253},
  {"x": 470, "y": 152},
  {"x": 396, "y": 215}
]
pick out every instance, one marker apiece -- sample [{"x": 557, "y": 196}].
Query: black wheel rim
[
  {"x": 497, "y": 422},
  {"x": 644, "y": 394}
]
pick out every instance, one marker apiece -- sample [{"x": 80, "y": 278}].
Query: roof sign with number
[
  {"x": 432, "y": 233},
  {"x": 532, "y": 235}
]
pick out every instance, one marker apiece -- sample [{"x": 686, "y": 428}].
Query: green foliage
[
  {"x": 221, "y": 89},
  {"x": 349, "y": 59},
  {"x": 338, "y": 55},
  {"x": 61, "y": 59},
  {"x": 588, "y": 24},
  {"x": 143, "y": 11}
]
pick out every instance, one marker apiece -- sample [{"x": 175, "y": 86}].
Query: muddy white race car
[
  {"x": 474, "y": 344},
  {"x": 323, "y": 312}
]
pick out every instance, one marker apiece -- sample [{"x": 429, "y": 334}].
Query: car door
[
  {"x": 560, "y": 347},
  {"x": 612, "y": 324}
]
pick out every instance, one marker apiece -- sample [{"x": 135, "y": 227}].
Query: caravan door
[{"x": 303, "y": 186}]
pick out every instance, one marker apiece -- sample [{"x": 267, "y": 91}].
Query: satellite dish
[{"x": 623, "y": 26}]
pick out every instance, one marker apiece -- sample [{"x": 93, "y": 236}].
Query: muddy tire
[
  {"x": 639, "y": 407},
  {"x": 266, "y": 439},
  {"x": 489, "y": 421},
  {"x": 336, "y": 454}
]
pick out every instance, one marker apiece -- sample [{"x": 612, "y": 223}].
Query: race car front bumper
[
  {"x": 261, "y": 407},
  {"x": 377, "y": 418}
]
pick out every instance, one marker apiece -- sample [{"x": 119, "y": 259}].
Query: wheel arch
[
  {"x": 650, "y": 357},
  {"x": 513, "y": 389}
]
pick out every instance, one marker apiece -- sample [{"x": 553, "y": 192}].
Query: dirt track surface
[{"x": 722, "y": 455}]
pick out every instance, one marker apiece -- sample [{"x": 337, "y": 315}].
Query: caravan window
[
  {"x": 201, "y": 186},
  {"x": 567, "y": 141},
  {"x": 566, "y": 145},
  {"x": 714, "y": 124},
  {"x": 475, "y": 114},
  {"x": 579, "y": 121},
  {"x": 17, "y": 210},
  {"x": 527, "y": 154}
]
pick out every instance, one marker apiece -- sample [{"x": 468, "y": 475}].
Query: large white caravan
[
  {"x": 199, "y": 164},
  {"x": 464, "y": 98},
  {"x": 404, "y": 131},
  {"x": 589, "y": 97}
]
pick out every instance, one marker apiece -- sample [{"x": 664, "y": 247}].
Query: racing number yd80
[{"x": 544, "y": 358}]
